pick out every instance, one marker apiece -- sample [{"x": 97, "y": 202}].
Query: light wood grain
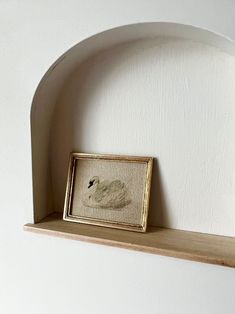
[{"x": 169, "y": 242}]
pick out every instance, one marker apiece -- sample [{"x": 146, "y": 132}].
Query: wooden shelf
[{"x": 169, "y": 242}]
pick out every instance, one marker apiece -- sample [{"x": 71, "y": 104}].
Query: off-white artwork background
[{"x": 131, "y": 173}]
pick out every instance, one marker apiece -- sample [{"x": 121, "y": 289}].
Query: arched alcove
[{"x": 159, "y": 89}]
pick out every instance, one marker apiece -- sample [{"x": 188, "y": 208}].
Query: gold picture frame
[{"x": 108, "y": 190}]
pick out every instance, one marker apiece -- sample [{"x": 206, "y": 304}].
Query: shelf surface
[{"x": 169, "y": 242}]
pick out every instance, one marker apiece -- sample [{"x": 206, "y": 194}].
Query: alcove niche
[{"x": 151, "y": 89}]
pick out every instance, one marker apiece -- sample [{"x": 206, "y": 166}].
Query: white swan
[{"x": 106, "y": 194}]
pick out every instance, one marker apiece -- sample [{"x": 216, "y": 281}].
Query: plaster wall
[{"x": 47, "y": 275}]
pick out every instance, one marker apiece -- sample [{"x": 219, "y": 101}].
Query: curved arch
[{"x": 49, "y": 89}]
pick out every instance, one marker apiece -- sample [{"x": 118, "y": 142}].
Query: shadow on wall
[{"x": 158, "y": 212}]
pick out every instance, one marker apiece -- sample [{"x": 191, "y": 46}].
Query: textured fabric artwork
[{"x": 109, "y": 190}]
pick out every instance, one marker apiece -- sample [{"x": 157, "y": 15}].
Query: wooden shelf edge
[{"x": 212, "y": 249}]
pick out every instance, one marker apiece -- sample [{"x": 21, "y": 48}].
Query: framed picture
[{"x": 108, "y": 190}]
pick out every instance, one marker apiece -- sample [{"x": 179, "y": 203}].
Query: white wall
[
  {"x": 40, "y": 274},
  {"x": 164, "y": 97}
]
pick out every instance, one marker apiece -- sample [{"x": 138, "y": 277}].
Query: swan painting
[
  {"x": 106, "y": 194},
  {"x": 108, "y": 190}
]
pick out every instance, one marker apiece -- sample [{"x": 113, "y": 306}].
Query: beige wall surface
[{"x": 47, "y": 275}]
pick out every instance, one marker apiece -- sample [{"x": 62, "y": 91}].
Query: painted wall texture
[
  {"x": 47, "y": 275},
  {"x": 169, "y": 98}
]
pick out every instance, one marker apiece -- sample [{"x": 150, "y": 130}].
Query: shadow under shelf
[{"x": 188, "y": 245}]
